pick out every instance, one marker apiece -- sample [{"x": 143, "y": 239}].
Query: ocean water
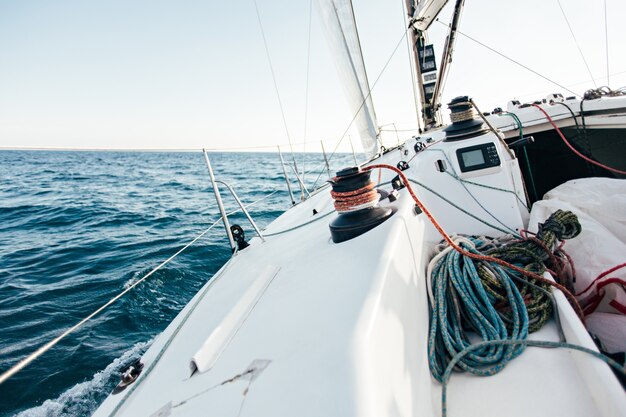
[{"x": 77, "y": 228}]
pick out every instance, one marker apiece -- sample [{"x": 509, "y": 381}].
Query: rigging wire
[
  {"x": 369, "y": 93},
  {"x": 576, "y": 41},
  {"x": 280, "y": 103},
  {"x": 265, "y": 197},
  {"x": 606, "y": 43},
  {"x": 306, "y": 92},
  {"x": 512, "y": 60}
]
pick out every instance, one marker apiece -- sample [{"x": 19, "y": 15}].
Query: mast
[
  {"x": 423, "y": 56},
  {"x": 421, "y": 14},
  {"x": 448, "y": 49},
  {"x": 418, "y": 42}
]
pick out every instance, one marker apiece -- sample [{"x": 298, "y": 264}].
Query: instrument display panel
[{"x": 478, "y": 157}]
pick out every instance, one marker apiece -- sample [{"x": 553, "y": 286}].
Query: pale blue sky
[{"x": 192, "y": 74}]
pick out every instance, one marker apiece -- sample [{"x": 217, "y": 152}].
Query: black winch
[
  {"x": 356, "y": 201},
  {"x": 466, "y": 123}
]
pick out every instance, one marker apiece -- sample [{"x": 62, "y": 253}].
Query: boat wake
[{"x": 83, "y": 398}]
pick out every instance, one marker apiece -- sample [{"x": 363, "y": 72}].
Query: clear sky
[{"x": 192, "y": 74}]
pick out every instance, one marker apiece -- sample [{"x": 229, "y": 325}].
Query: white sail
[
  {"x": 338, "y": 18},
  {"x": 425, "y": 12}
]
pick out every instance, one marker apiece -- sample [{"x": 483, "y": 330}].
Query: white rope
[{"x": 24, "y": 362}]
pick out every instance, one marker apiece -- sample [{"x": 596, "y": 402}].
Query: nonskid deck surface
[{"x": 298, "y": 325}]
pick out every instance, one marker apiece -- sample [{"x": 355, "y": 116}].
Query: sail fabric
[
  {"x": 597, "y": 253},
  {"x": 341, "y": 31},
  {"x": 426, "y": 11}
]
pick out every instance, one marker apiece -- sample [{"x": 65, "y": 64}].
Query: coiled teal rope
[
  {"x": 461, "y": 304},
  {"x": 472, "y": 298}
]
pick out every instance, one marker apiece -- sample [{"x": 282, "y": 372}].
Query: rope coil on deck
[
  {"x": 481, "y": 297},
  {"x": 460, "y": 301}
]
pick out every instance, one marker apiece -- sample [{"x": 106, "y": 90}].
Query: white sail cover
[
  {"x": 425, "y": 12},
  {"x": 338, "y": 18}
]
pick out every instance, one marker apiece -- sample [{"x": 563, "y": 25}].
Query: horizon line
[{"x": 62, "y": 149}]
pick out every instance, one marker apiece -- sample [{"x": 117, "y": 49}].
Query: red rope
[
  {"x": 602, "y": 275},
  {"x": 599, "y": 295},
  {"x": 591, "y": 161},
  {"x": 344, "y": 194},
  {"x": 476, "y": 256},
  {"x": 348, "y": 200},
  {"x": 348, "y": 203}
]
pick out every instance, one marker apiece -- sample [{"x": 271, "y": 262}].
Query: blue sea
[{"x": 77, "y": 228}]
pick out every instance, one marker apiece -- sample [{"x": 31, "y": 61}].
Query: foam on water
[{"x": 83, "y": 398}]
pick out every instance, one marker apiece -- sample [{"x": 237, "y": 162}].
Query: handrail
[
  {"x": 282, "y": 164},
  {"x": 325, "y": 161},
  {"x": 303, "y": 188},
  {"x": 220, "y": 204},
  {"x": 243, "y": 208}
]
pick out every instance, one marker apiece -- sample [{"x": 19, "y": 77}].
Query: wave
[{"x": 83, "y": 398}]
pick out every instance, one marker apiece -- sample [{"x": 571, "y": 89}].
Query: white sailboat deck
[{"x": 300, "y": 326}]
